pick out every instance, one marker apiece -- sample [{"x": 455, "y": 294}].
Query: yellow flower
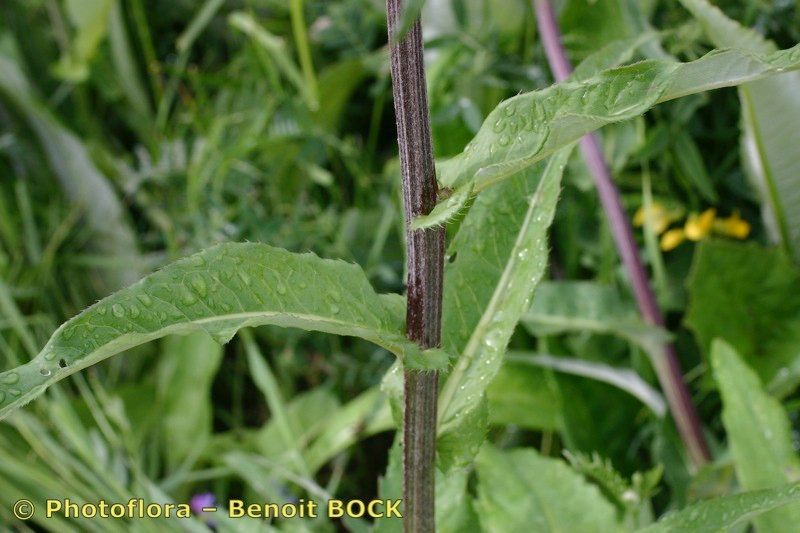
[
  {"x": 658, "y": 215},
  {"x": 698, "y": 227},
  {"x": 672, "y": 238},
  {"x": 733, "y": 226}
]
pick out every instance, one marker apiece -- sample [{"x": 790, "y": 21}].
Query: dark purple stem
[
  {"x": 425, "y": 261},
  {"x": 667, "y": 366}
]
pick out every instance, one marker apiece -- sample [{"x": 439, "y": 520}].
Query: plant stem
[
  {"x": 666, "y": 362},
  {"x": 425, "y": 262}
]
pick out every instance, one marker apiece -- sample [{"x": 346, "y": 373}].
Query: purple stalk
[
  {"x": 667, "y": 366},
  {"x": 425, "y": 262}
]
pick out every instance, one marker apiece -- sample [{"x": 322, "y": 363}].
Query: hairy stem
[
  {"x": 425, "y": 260},
  {"x": 666, "y": 362}
]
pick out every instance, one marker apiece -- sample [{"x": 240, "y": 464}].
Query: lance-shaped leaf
[
  {"x": 220, "y": 290},
  {"x": 770, "y": 113},
  {"x": 759, "y": 433},
  {"x": 461, "y": 404},
  {"x": 722, "y": 514},
  {"x": 530, "y": 126}
]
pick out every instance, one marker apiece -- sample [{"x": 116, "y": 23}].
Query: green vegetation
[{"x": 210, "y": 192}]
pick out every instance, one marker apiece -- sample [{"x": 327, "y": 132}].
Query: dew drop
[
  {"x": 335, "y": 295},
  {"x": 134, "y": 311},
  {"x": 102, "y": 310},
  {"x": 302, "y": 285},
  {"x": 188, "y": 298},
  {"x": 499, "y": 126},
  {"x": 199, "y": 285},
  {"x": 334, "y": 309},
  {"x": 45, "y": 371},
  {"x": 118, "y": 310},
  {"x": 522, "y": 254},
  {"x": 244, "y": 276},
  {"x": 15, "y": 392},
  {"x": 11, "y": 378},
  {"x": 509, "y": 110},
  {"x": 504, "y": 140},
  {"x": 50, "y": 355},
  {"x": 281, "y": 288}
]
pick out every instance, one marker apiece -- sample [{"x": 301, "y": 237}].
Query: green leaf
[
  {"x": 689, "y": 163},
  {"x": 522, "y": 394},
  {"x": 462, "y": 396},
  {"x": 90, "y": 19},
  {"x": 529, "y": 127},
  {"x": 722, "y": 514},
  {"x": 759, "y": 433},
  {"x": 276, "y": 48},
  {"x": 623, "y": 378},
  {"x": 186, "y": 370},
  {"x": 575, "y": 306},
  {"x": 770, "y": 113},
  {"x": 747, "y": 295},
  {"x": 592, "y": 24},
  {"x": 520, "y": 490},
  {"x": 365, "y": 415},
  {"x": 631, "y": 497},
  {"x": 478, "y": 255},
  {"x": 611, "y": 55},
  {"x": 306, "y": 415},
  {"x": 431, "y": 359},
  {"x": 219, "y": 291}
]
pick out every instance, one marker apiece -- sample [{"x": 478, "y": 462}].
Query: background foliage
[{"x": 136, "y": 133}]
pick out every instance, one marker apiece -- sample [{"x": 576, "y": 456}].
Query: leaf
[
  {"x": 219, "y": 291},
  {"x": 747, "y": 295},
  {"x": 573, "y": 306},
  {"x": 306, "y": 413},
  {"x": 276, "y": 48},
  {"x": 723, "y": 513},
  {"x": 478, "y": 255},
  {"x": 623, "y": 378},
  {"x": 611, "y": 55},
  {"x": 520, "y": 490},
  {"x": 186, "y": 370},
  {"x": 689, "y": 163},
  {"x": 629, "y": 496},
  {"x": 90, "y": 19},
  {"x": 124, "y": 61},
  {"x": 365, "y": 415},
  {"x": 759, "y": 433},
  {"x": 522, "y": 394},
  {"x": 591, "y": 24},
  {"x": 529, "y": 127},
  {"x": 462, "y": 395},
  {"x": 770, "y": 113}
]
